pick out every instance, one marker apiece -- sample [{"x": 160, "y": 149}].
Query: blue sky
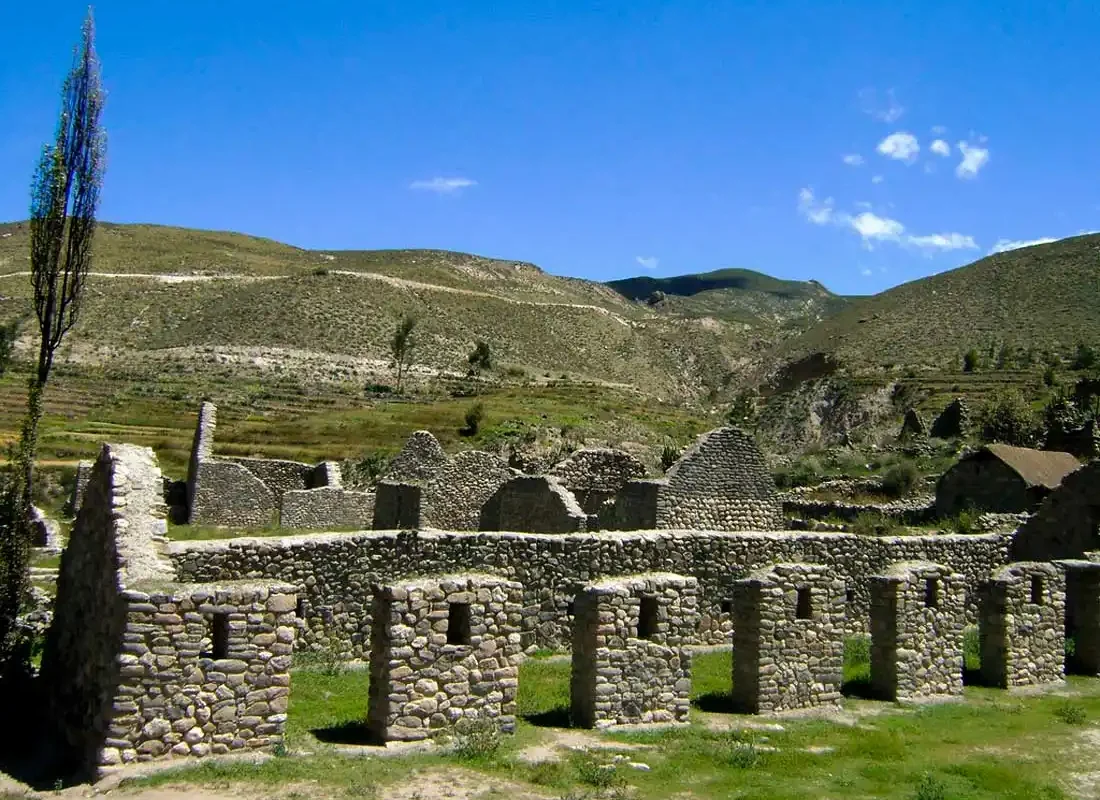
[{"x": 598, "y": 140}]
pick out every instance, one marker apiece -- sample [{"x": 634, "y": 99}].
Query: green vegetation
[
  {"x": 900, "y": 479},
  {"x": 993, "y": 745}
]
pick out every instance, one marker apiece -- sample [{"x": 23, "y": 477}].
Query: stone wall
[
  {"x": 137, "y": 666},
  {"x": 1022, "y": 625},
  {"x": 953, "y": 422},
  {"x": 983, "y": 483},
  {"x": 280, "y": 476},
  {"x": 918, "y": 613},
  {"x": 226, "y": 493},
  {"x": 335, "y": 568},
  {"x": 420, "y": 458},
  {"x": 630, "y": 658},
  {"x": 396, "y": 506},
  {"x": 534, "y": 504},
  {"x": 80, "y": 482},
  {"x": 327, "y": 473},
  {"x": 788, "y": 644},
  {"x": 1067, "y": 523},
  {"x": 202, "y": 448},
  {"x": 636, "y": 505},
  {"x": 595, "y": 475},
  {"x": 1083, "y": 615},
  {"x": 454, "y": 494},
  {"x": 327, "y": 507},
  {"x": 443, "y": 651}
]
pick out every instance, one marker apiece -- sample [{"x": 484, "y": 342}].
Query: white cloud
[
  {"x": 941, "y": 148},
  {"x": 443, "y": 185},
  {"x": 647, "y": 262},
  {"x": 886, "y": 109},
  {"x": 866, "y": 272},
  {"x": 877, "y": 179},
  {"x": 974, "y": 158},
  {"x": 901, "y": 146},
  {"x": 943, "y": 241},
  {"x": 852, "y": 159},
  {"x": 1003, "y": 245},
  {"x": 873, "y": 228},
  {"x": 938, "y": 130}
]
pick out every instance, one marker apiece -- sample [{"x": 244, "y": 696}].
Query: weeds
[
  {"x": 1070, "y": 713},
  {"x": 930, "y": 788},
  {"x": 476, "y": 739}
]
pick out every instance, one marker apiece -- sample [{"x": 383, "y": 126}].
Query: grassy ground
[{"x": 994, "y": 744}]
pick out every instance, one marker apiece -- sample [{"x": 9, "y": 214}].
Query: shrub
[
  {"x": 593, "y": 771},
  {"x": 965, "y": 522},
  {"x": 872, "y": 523},
  {"x": 805, "y": 472},
  {"x": 1085, "y": 357},
  {"x": 474, "y": 415},
  {"x": 1070, "y": 713},
  {"x": 970, "y": 360},
  {"x": 669, "y": 456},
  {"x": 1007, "y": 418},
  {"x": 1050, "y": 377},
  {"x": 481, "y": 357},
  {"x": 320, "y": 271},
  {"x": 901, "y": 479},
  {"x": 476, "y": 739},
  {"x": 930, "y": 788},
  {"x": 739, "y": 750},
  {"x": 366, "y": 470}
]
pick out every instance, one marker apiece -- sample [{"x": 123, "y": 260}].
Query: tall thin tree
[
  {"x": 401, "y": 346},
  {"x": 64, "y": 199}
]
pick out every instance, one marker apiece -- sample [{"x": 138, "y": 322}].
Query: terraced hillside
[
  {"x": 1040, "y": 298},
  {"x": 171, "y": 299}
]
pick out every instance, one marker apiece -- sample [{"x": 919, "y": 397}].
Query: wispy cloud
[
  {"x": 866, "y": 272},
  {"x": 877, "y": 179},
  {"x": 938, "y": 130},
  {"x": 873, "y": 228},
  {"x": 900, "y": 146},
  {"x": 884, "y": 109},
  {"x": 647, "y": 262},
  {"x": 940, "y": 148},
  {"x": 852, "y": 159},
  {"x": 443, "y": 185},
  {"x": 973, "y": 159},
  {"x": 1004, "y": 245}
]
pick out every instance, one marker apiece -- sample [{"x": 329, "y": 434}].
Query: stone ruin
[
  {"x": 788, "y": 643},
  {"x": 80, "y": 482},
  {"x": 953, "y": 422},
  {"x": 1082, "y": 617},
  {"x": 595, "y": 475},
  {"x": 918, "y": 614},
  {"x": 397, "y": 506},
  {"x": 721, "y": 483},
  {"x": 1021, "y": 625},
  {"x": 248, "y": 492},
  {"x": 912, "y": 427},
  {"x": 443, "y": 651},
  {"x": 535, "y": 504},
  {"x": 137, "y": 665},
  {"x": 631, "y": 663},
  {"x": 1067, "y": 522}
]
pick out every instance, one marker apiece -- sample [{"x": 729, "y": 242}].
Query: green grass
[{"x": 991, "y": 745}]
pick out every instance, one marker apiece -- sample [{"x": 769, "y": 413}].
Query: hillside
[
  {"x": 736, "y": 295},
  {"x": 1042, "y": 298},
  {"x": 169, "y": 299}
]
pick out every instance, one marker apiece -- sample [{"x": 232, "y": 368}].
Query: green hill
[
  {"x": 737, "y": 295},
  {"x": 1044, "y": 298}
]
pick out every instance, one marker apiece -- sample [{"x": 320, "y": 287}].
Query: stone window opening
[
  {"x": 726, "y": 606},
  {"x": 1037, "y": 590},
  {"x": 219, "y": 637},
  {"x": 932, "y": 593},
  {"x": 647, "y": 617},
  {"x": 458, "y": 623},
  {"x": 849, "y": 596},
  {"x": 803, "y": 606},
  {"x": 571, "y": 608},
  {"x": 300, "y": 608}
]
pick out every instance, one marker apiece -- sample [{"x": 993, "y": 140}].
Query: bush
[
  {"x": 872, "y": 523},
  {"x": 669, "y": 456},
  {"x": 965, "y": 522},
  {"x": 476, "y": 739},
  {"x": 320, "y": 271},
  {"x": 806, "y": 472},
  {"x": 1007, "y": 418},
  {"x": 1085, "y": 358},
  {"x": 474, "y": 415},
  {"x": 901, "y": 479},
  {"x": 930, "y": 788},
  {"x": 593, "y": 770},
  {"x": 366, "y": 470},
  {"x": 970, "y": 360},
  {"x": 739, "y": 750},
  {"x": 1070, "y": 713}
]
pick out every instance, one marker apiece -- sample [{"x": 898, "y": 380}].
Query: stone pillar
[
  {"x": 788, "y": 639},
  {"x": 918, "y": 613},
  {"x": 202, "y": 448},
  {"x": 1083, "y": 615},
  {"x": 630, "y": 660},
  {"x": 443, "y": 651},
  {"x": 1022, "y": 625}
]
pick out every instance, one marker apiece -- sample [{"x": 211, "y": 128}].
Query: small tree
[
  {"x": 1085, "y": 358},
  {"x": 970, "y": 360},
  {"x": 401, "y": 346},
  {"x": 64, "y": 200},
  {"x": 480, "y": 358},
  {"x": 474, "y": 415},
  {"x": 1007, "y": 418}
]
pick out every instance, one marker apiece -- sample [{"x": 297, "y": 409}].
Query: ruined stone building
[{"x": 1002, "y": 478}]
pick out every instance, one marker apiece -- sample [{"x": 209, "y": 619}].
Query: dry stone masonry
[
  {"x": 918, "y": 614},
  {"x": 535, "y": 503},
  {"x": 454, "y": 495},
  {"x": 1022, "y": 625},
  {"x": 80, "y": 482},
  {"x": 788, "y": 643},
  {"x": 1067, "y": 523},
  {"x": 396, "y": 506},
  {"x": 138, "y": 666},
  {"x": 1083, "y": 615},
  {"x": 443, "y": 651},
  {"x": 420, "y": 458},
  {"x": 595, "y": 475},
  {"x": 326, "y": 507},
  {"x": 630, "y": 658}
]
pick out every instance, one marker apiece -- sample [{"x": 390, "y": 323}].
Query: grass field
[{"x": 993, "y": 744}]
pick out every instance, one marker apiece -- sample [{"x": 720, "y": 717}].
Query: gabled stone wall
[
  {"x": 419, "y": 460},
  {"x": 788, "y": 644},
  {"x": 443, "y": 651},
  {"x": 918, "y": 613},
  {"x": 1022, "y": 624},
  {"x": 595, "y": 475},
  {"x": 326, "y": 507},
  {"x": 396, "y": 506},
  {"x": 454, "y": 495},
  {"x": 535, "y": 504},
  {"x": 1067, "y": 523},
  {"x": 630, "y": 659}
]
